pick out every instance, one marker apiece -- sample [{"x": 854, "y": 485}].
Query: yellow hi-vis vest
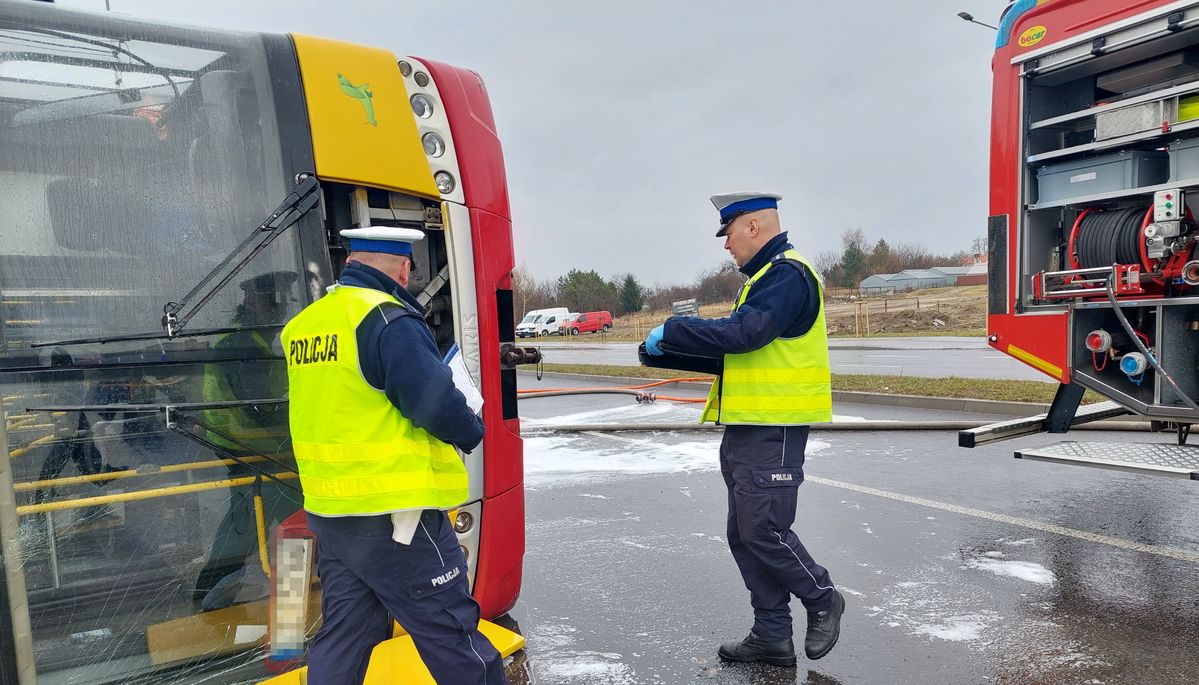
[
  {"x": 785, "y": 383},
  {"x": 252, "y": 427},
  {"x": 357, "y": 454}
]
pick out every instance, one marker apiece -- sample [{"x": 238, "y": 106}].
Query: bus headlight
[
  {"x": 463, "y": 522},
  {"x": 422, "y": 105},
  {"x": 434, "y": 147},
  {"x": 445, "y": 182},
  {"x": 421, "y": 78},
  {"x": 405, "y": 69}
]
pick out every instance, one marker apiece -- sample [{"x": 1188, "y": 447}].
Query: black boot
[
  {"x": 824, "y": 627},
  {"x": 754, "y": 648}
]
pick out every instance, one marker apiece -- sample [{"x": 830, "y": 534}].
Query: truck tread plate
[{"x": 1163, "y": 459}]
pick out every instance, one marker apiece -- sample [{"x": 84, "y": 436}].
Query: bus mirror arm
[{"x": 299, "y": 202}]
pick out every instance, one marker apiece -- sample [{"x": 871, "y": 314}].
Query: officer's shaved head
[
  {"x": 768, "y": 222},
  {"x": 398, "y": 267}
]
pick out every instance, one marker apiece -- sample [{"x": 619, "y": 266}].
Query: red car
[{"x": 588, "y": 322}]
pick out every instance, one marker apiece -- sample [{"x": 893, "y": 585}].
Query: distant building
[
  {"x": 878, "y": 284},
  {"x": 916, "y": 279},
  {"x": 977, "y": 275},
  {"x": 952, "y": 271}
]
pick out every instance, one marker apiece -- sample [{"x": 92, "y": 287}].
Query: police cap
[
  {"x": 388, "y": 239},
  {"x": 733, "y": 205}
]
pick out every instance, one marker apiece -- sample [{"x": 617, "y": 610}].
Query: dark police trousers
[
  {"x": 366, "y": 578},
  {"x": 763, "y": 467}
]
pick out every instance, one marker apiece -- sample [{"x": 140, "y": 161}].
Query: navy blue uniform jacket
[
  {"x": 399, "y": 356},
  {"x": 784, "y": 302}
]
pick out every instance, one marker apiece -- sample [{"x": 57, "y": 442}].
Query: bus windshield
[{"x": 133, "y": 158}]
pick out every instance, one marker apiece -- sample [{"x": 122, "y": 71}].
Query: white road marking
[{"x": 1014, "y": 521}]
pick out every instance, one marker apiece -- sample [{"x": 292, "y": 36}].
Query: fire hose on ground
[
  {"x": 644, "y": 397},
  {"x": 836, "y": 426}
]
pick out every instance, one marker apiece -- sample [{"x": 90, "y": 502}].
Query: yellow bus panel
[{"x": 363, "y": 130}]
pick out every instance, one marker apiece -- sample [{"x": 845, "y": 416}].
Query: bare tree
[
  {"x": 529, "y": 293},
  {"x": 826, "y": 262}
]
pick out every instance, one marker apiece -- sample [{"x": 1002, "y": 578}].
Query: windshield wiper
[{"x": 298, "y": 203}]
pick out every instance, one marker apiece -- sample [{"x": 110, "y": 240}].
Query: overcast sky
[{"x": 619, "y": 119}]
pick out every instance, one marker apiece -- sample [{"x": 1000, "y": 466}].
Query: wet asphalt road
[
  {"x": 926, "y": 357},
  {"x": 944, "y": 556}
]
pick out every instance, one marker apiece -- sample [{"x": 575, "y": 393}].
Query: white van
[{"x": 542, "y": 322}]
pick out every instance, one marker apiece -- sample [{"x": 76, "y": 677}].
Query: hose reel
[{"x": 1102, "y": 238}]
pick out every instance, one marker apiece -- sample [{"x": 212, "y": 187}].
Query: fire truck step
[
  {"x": 1162, "y": 459},
  {"x": 1005, "y": 430}
]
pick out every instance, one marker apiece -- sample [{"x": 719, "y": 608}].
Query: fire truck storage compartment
[
  {"x": 1178, "y": 348},
  {"x": 1184, "y": 159},
  {"x": 1124, "y": 121},
  {"x": 1172, "y": 327},
  {"x": 1107, "y": 371},
  {"x": 1042, "y": 240},
  {"x": 1124, "y": 170}
]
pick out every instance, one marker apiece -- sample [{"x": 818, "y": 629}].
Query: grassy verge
[{"x": 968, "y": 388}]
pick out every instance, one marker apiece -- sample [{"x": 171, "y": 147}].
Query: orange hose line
[{"x": 688, "y": 400}]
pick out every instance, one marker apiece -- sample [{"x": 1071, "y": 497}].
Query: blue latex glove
[{"x": 653, "y": 339}]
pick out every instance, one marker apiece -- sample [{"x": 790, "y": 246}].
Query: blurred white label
[{"x": 293, "y": 569}]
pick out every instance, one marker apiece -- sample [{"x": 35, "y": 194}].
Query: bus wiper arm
[
  {"x": 155, "y": 335},
  {"x": 298, "y": 203}
]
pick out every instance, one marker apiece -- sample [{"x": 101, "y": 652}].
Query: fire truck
[
  {"x": 1093, "y": 271},
  {"x": 169, "y": 198}
]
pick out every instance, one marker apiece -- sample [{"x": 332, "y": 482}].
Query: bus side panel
[
  {"x": 480, "y": 157},
  {"x": 485, "y": 189},
  {"x": 504, "y": 461},
  {"x": 501, "y": 549}
]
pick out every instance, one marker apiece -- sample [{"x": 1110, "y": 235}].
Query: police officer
[
  {"x": 375, "y": 418},
  {"x": 773, "y": 382}
]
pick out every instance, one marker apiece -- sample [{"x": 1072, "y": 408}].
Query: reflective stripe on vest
[
  {"x": 357, "y": 454},
  {"x": 785, "y": 383}
]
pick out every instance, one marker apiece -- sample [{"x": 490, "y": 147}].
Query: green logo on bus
[{"x": 362, "y": 94}]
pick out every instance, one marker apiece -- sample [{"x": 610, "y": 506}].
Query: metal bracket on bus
[
  {"x": 1061, "y": 285},
  {"x": 439, "y": 281},
  {"x": 298, "y": 203}
]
